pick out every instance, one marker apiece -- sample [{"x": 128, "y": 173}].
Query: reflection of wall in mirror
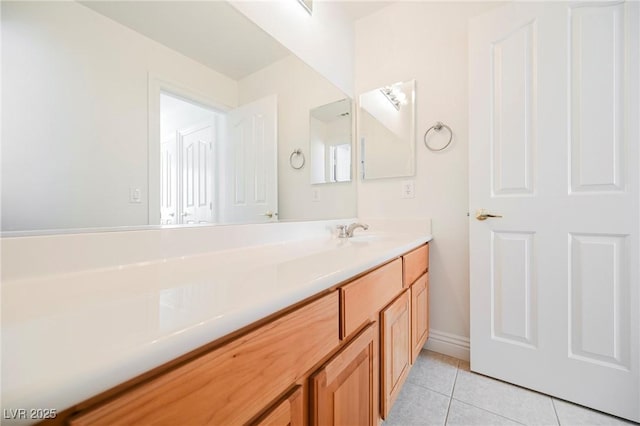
[
  {"x": 386, "y": 154},
  {"x": 300, "y": 89},
  {"x": 330, "y": 149},
  {"x": 317, "y": 138},
  {"x": 74, "y": 134},
  {"x": 396, "y": 121}
]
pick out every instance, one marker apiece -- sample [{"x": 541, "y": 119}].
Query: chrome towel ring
[
  {"x": 437, "y": 127},
  {"x": 295, "y": 154}
]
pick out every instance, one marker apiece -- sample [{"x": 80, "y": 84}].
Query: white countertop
[{"x": 70, "y": 336}]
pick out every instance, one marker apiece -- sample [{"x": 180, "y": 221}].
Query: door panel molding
[
  {"x": 513, "y": 288},
  {"x": 599, "y": 298},
  {"x": 513, "y": 99},
  {"x": 596, "y": 108}
]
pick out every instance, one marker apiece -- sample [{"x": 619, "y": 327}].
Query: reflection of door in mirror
[
  {"x": 340, "y": 162},
  {"x": 187, "y": 169},
  {"x": 249, "y": 164},
  {"x": 244, "y": 143},
  {"x": 386, "y": 131},
  {"x": 330, "y": 142}
]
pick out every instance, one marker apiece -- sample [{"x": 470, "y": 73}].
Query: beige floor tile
[
  {"x": 576, "y": 415},
  {"x": 461, "y": 414},
  {"x": 434, "y": 371},
  {"x": 507, "y": 400},
  {"x": 417, "y": 406}
]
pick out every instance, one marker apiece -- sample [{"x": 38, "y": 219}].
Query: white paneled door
[
  {"x": 249, "y": 164},
  {"x": 196, "y": 159},
  {"x": 554, "y": 135}
]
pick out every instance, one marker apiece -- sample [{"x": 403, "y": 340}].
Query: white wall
[
  {"x": 324, "y": 40},
  {"x": 428, "y": 42},
  {"x": 299, "y": 89},
  {"x": 74, "y": 86}
]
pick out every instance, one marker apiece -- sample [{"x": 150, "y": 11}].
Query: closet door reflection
[{"x": 187, "y": 166}]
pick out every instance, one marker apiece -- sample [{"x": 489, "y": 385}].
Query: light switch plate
[
  {"x": 315, "y": 195},
  {"x": 408, "y": 189},
  {"x": 135, "y": 195}
]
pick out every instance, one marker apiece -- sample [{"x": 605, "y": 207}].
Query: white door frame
[{"x": 158, "y": 84}]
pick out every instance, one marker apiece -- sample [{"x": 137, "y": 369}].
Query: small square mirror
[{"x": 386, "y": 131}]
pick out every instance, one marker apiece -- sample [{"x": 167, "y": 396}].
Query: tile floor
[{"x": 441, "y": 390}]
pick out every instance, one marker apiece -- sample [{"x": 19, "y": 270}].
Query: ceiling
[
  {"x": 332, "y": 111},
  {"x": 355, "y": 9},
  {"x": 213, "y": 33}
]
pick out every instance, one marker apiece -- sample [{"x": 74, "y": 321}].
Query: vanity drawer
[
  {"x": 287, "y": 412},
  {"x": 362, "y": 299},
  {"x": 232, "y": 384},
  {"x": 415, "y": 263}
]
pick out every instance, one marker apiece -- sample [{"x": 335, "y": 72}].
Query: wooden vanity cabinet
[
  {"x": 362, "y": 299},
  {"x": 340, "y": 359},
  {"x": 234, "y": 383},
  {"x": 415, "y": 266},
  {"x": 395, "y": 324},
  {"x": 404, "y": 327},
  {"x": 344, "y": 391},
  {"x": 419, "y": 315},
  {"x": 289, "y": 411}
]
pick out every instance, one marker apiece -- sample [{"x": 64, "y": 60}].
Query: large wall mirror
[
  {"x": 119, "y": 114},
  {"x": 386, "y": 131}
]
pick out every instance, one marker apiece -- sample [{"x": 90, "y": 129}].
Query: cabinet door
[
  {"x": 419, "y": 315},
  {"x": 344, "y": 391},
  {"x": 287, "y": 412},
  {"x": 396, "y": 349}
]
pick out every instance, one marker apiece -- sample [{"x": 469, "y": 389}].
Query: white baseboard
[{"x": 448, "y": 344}]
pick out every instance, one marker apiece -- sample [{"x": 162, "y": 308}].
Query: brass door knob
[{"x": 483, "y": 215}]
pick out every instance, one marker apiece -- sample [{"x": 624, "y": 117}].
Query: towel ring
[
  {"x": 297, "y": 153},
  {"x": 437, "y": 127}
]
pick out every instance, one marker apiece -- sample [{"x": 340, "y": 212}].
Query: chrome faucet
[{"x": 347, "y": 231}]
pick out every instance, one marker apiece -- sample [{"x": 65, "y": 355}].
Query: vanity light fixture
[
  {"x": 307, "y": 4},
  {"x": 394, "y": 95}
]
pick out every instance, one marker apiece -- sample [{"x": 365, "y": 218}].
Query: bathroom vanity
[
  {"x": 317, "y": 331},
  {"x": 327, "y": 360}
]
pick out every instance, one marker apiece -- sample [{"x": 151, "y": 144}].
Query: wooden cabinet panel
[
  {"x": 344, "y": 391},
  {"x": 232, "y": 384},
  {"x": 363, "y": 298},
  {"x": 395, "y": 349},
  {"x": 415, "y": 263},
  {"x": 419, "y": 315},
  {"x": 288, "y": 412}
]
